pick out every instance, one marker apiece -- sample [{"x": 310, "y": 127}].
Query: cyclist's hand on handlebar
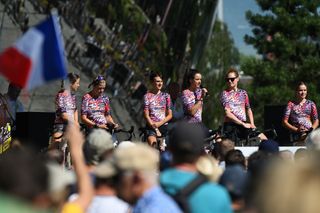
[
  {"x": 102, "y": 126},
  {"x": 115, "y": 125},
  {"x": 302, "y": 129},
  {"x": 155, "y": 125},
  {"x": 253, "y": 126},
  {"x": 246, "y": 125}
]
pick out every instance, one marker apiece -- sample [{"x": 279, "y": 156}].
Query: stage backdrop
[
  {"x": 273, "y": 119},
  {"x": 33, "y": 128}
]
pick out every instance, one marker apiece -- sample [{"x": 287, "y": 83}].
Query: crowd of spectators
[{"x": 128, "y": 178}]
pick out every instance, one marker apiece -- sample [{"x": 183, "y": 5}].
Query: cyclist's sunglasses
[{"x": 230, "y": 79}]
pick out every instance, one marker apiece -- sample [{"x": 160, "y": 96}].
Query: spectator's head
[
  {"x": 24, "y": 176},
  {"x": 269, "y": 146},
  {"x": 59, "y": 182},
  {"x": 313, "y": 140},
  {"x": 235, "y": 157},
  {"x": 186, "y": 142},
  {"x": 98, "y": 146},
  {"x": 286, "y": 155},
  {"x": 222, "y": 148},
  {"x": 301, "y": 154},
  {"x": 234, "y": 179},
  {"x": 104, "y": 175},
  {"x": 13, "y": 91},
  {"x": 288, "y": 187},
  {"x": 136, "y": 171}
]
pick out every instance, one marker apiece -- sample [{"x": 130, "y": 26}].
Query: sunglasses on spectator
[{"x": 230, "y": 79}]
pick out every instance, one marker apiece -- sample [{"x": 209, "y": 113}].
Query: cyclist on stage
[
  {"x": 66, "y": 106},
  {"x": 157, "y": 109},
  {"x": 237, "y": 108},
  {"x": 95, "y": 107},
  {"x": 301, "y": 115},
  {"x": 192, "y": 97}
]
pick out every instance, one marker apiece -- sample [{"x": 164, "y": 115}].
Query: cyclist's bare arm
[
  {"x": 315, "y": 124},
  {"x": 166, "y": 119},
  {"x": 87, "y": 121},
  {"x": 148, "y": 119},
  {"x": 76, "y": 140},
  {"x": 193, "y": 110},
  {"x": 111, "y": 121},
  {"x": 76, "y": 119},
  {"x": 251, "y": 119}
]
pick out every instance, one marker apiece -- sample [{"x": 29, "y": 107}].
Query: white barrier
[{"x": 248, "y": 150}]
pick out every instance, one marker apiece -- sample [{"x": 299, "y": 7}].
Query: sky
[{"x": 234, "y": 16}]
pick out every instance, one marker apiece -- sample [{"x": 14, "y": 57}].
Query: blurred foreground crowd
[{"x": 137, "y": 178}]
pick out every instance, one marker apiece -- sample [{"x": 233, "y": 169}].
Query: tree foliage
[
  {"x": 286, "y": 35},
  {"x": 220, "y": 54}
]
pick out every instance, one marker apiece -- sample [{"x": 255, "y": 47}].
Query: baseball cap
[
  {"x": 139, "y": 157},
  {"x": 98, "y": 142},
  {"x": 269, "y": 146},
  {"x": 187, "y": 138},
  {"x": 234, "y": 179},
  {"x": 59, "y": 178}
]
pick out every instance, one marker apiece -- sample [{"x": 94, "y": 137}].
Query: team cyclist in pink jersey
[
  {"x": 192, "y": 97},
  {"x": 66, "y": 106},
  {"x": 301, "y": 115},
  {"x": 95, "y": 106},
  {"x": 157, "y": 110},
  {"x": 236, "y": 105}
]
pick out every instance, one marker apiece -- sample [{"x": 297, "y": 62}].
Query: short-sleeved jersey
[
  {"x": 96, "y": 109},
  {"x": 189, "y": 100},
  {"x": 237, "y": 102},
  {"x": 65, "y": 103},
  {"x": 301, "y": 115},
  {"x": 157, "y": 105}
]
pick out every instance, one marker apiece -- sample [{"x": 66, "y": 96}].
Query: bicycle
[
  {"x": 253, "y": 138},
  {"x": 60, "y": 143},
  {"x": 114, "y": 131}
]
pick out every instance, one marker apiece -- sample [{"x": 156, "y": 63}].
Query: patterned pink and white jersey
[
  {"x": 96, "y": 109},
  {"x": 157, "y": 105},
  {"x": 237, "y": 102},
  {"x": 189, "y": 100},
  {"x": 65, "y": 103},
  {"x": 301, "y": 115}
]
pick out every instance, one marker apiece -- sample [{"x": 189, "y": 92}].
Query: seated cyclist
[
  {"x": 301, "y": 115},
  {"x": 236, "y": 105},
  {"x": 95, "y": 107},
  {"x": 66, "y": 106},
  {"x": 157, "y": 111}
]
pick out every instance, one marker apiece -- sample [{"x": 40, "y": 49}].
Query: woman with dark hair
[
  {"x": 301, "y": 115},
  {"x": 192, "y": 97},
  {"x": 95, "y": 107},
  {"x": 66, "y": 106},
  {"x": 157, "y": 109}
]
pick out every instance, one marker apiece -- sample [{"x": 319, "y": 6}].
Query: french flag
[{"x": 37, "y": 57}]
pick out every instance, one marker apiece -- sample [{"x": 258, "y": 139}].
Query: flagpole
[{"x": 2, "y": 20}]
